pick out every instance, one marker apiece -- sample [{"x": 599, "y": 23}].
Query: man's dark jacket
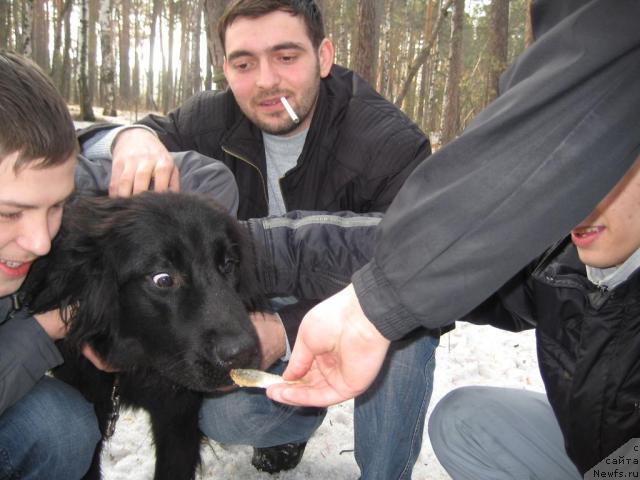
[
  {"x": 588, "y": 343},
  {"x": 358, "y": 152}
]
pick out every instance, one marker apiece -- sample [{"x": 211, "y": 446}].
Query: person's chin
[
  {"x": 274, "y": 125},
  {"x": 9, "y": 286}
]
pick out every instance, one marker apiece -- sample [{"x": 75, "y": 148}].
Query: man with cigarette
[{"x": 299, "y": 133}]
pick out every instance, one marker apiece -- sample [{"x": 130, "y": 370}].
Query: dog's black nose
[{"x": 238, "y": 355}]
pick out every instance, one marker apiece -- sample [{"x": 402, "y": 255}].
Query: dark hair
[
  {"x": 34, "y": 118},
  {"x": 308, "y": 9}
]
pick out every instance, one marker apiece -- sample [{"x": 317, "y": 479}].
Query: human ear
[{"x": 325, "y": 54}]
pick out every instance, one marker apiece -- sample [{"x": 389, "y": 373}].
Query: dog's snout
[{"x": 238, "y": 354}]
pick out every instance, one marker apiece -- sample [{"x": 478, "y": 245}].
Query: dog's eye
[
  {"x": 227, "y": 265},
  {"x": 163, "y": 280}
]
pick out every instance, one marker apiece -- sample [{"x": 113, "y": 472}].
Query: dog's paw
[{"x": 278, "y": 458}]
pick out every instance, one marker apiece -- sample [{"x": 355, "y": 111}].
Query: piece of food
[{"x": 247, "y": 377}]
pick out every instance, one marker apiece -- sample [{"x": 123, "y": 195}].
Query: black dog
[{"x": 160, "y": 286}]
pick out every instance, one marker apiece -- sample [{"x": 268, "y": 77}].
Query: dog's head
[{"x": 156, "y": 281}]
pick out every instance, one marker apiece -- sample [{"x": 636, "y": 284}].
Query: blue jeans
[
  {"x": 388, "y": 418},
  {"x": 49, "y": 433}
]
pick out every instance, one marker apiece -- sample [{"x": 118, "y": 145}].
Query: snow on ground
[{"x": 469, "y": 355}]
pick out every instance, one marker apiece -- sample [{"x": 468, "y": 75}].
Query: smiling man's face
[
  {"x": 272, "y": 56},
  {"x": 611, "y": 233},
  {"x": 31, "y": 202}
]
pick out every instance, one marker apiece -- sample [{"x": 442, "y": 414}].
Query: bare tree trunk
[
  {"x": 125, "y": 48},
  {"x": 528, "y": 32},
  {"x": 135, "y": 81},
  {"x": 425, "y": 76},
  {"x": 366, "y": 42},
  {"x": 432, "y": 113},
  {"x": 92, "y": 45},
  {"x": 56, "y": 59},
  {"x": 5, "y": 24},
  {"x": 451, "y": 104},
  {"x": 40, "y": 35},
  {"x": 65, "y": 85},
  {"x": 196, "y": 23},
  {"x": 498, "y": 47},
  {"x": 213, "y": 11},
  {"x": 108, "y": 69},
  {"x": 167, "y": 84},
  {"x": 383, "y": 85},
  {"x": 424, "y": 54},
  {"x": 86, "y": 112},
  {"x": 26, "y": 43},
  {"x": 185, "y": 80},
  {"x": 155, "y": 14}
]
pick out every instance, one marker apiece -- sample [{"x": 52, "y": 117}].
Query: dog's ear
[{"x": 78, "y": 275}]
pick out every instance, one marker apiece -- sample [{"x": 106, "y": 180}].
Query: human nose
[
  {"x": 36, "y": 236},
  {"x": 268, "y": 76}
]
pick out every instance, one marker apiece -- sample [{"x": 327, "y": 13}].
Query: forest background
[{"x": 438, "y": 60}]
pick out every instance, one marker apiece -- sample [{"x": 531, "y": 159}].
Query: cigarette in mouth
[{"x": 289, "y": 110}]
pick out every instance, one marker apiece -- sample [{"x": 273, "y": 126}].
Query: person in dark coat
[
  {"x": 47, "y": 429},
  {"x": 583, "y": 299},
  {"x": 529, "y": 168},
  {"x": 343, "y": 147}
]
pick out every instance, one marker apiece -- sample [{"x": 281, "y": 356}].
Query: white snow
[{"x": 469, "y": 355}]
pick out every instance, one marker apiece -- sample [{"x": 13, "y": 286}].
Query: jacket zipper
[
  {"x": 284, "y": 200},
  {"x": 16, "y": 305},
  {"x": 253, "y": 165}
]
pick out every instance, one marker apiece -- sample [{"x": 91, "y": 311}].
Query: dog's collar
[{"x": 114, "y": 414}]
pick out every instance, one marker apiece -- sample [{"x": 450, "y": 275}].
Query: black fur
[{"x": 160, "y": 286}]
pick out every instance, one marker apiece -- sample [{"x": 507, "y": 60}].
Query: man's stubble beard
[{"x": 303, "y": 110}]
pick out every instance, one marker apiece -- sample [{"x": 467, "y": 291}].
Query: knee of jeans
[
  {"x": 70, "y": 432},
  {"x": 240, "y": 418}
]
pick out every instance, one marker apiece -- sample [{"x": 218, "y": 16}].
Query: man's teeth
[
  {"x": 11, "y": 264},
  {"x": 588, "y": 230}
]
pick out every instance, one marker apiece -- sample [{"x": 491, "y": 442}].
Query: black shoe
[{"x": 278, "y": 458}]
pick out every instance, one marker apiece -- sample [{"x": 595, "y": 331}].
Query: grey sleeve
[
  {"x": 529, "y": 168},
  {"x": 311, "y": 255},
  {"x": 198, "y": 174},
  {"x": 26, "y": 353}
]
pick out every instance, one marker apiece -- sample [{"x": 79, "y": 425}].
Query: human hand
[
  {"x": 93, "y": 357},
  {"x": 337, "y": 355},
  {"x": 271, "y": 335},
  {"x": 141, "y": 161},
  {"x": 51, "y": 322}
]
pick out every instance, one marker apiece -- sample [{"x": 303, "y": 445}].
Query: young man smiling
[
  {"x": 47, "y": 429},
  {"x": 350, "y": 149},
  {"x": 582, "y": 296}
]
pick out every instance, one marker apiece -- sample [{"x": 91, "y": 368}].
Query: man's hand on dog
[
  {"x": 271, "y": 335},
  {"x": 51, "y": 322},
  {"x": 141, "y": 162}
]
